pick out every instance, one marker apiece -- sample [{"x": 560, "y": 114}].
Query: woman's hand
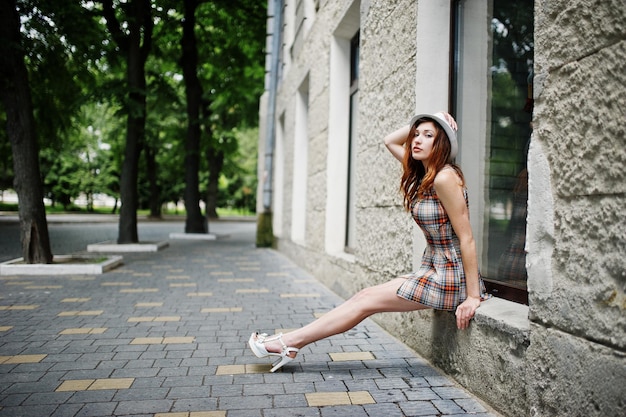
[
  {"x": 450, "y": 120},
  {"x": 465, "y": 312}
]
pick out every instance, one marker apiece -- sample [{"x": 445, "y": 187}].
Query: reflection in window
[{"x": 511, "y": 106}]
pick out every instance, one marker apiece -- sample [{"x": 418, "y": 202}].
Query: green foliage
[
  {"x": 80, "y": 98},
  {"x": 238, "y": 181}
]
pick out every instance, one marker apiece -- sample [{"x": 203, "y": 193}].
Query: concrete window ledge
[{"x": 505, "y": 316}]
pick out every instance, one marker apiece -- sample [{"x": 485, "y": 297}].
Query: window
[
  {"x": 502, "y": 104},
  {"x": 279, "y": 176},
  {"x": 300, "y": 165},
  {"x": 352, "y": 141},
  {"x": 339, "y": 230}
]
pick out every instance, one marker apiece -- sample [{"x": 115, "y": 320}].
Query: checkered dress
[{"x": 440, "y": 281}]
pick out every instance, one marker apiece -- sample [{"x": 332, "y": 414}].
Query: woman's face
[{"x": 422, "y": 143}]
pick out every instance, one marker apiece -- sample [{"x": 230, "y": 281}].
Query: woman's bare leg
[{"x": 376, "y": 299}]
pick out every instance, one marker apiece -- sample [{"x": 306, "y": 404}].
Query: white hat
[{"x": 441, "y": 121}]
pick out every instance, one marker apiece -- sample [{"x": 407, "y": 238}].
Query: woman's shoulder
[{"x": 448, "y": 176}]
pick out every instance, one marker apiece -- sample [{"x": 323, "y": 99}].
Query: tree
[
  {"x": 233, "y": 69},
  {"x": 134, "y": 40},
  {"x": 16, "y": 98},
  {"x": 193, "y": 92}
]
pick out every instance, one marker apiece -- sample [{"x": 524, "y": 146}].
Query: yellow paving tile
[
  {"x": 173, "y": 271},
  {"x": 321, "y": 399},
  {"x": 22, "y": 359},
  {"x": 152, "y": 304},
  {"x": 236, "y": 280},
  {"x": 98, "y": 330},
  {"x": 222, "y": 310},
  {"x": 5, "y": 328},
  {"x": 249, "y": 268},
  {"x": 242, "y": 369},
  {"x": 19, "y": 283},
  {"x": 142, "y": 274},
  {"x": 277, "y": 274},
  {"x": 221, "y": 273},
  {"x": 167, "y": 318},
  {"x": 318, "y": 315},
  {"x": 80, "y": 313},
  {"x": 178, "y": 340},
  {"x": 200, "y": 294},
  {"x": 147, "y": 341},
  {"x": 43, "y": 287},
  {"x": 177, "y": 277},
  {"x": 84, "y": 330},
  {"x": 139, "y": 319},
  {"x": 90, "y": 312},
  {"x": 185, "y": 285},
  {"x": 252, "y": 291},
  {"x": 183, "y": 414},
  {"x": 75, "y": 300},
  {"x": 302, "y": 295},
  {"x": 139, "y": 290},
  {"x": 82, "y": 278},
  {"x": 116, "y": 284},
  {"x": 75, "y": 385},
  {"x": 351, "y": 356},
  {"x": 361, "y": 397},
  {"x": 19, "y": 307},
  {"x": 111, "y": 383},
  {"x": 193, "y": 414},
  {"x": 162, "y": 340}
]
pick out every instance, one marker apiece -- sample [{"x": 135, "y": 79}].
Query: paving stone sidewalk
[{"x": 165, "y": 335}]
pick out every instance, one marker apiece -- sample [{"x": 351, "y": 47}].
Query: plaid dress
[{"x": 440, "y": 281}]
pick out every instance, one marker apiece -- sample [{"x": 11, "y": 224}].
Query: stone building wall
[
  {"x": 564, "y": 354},
  {"x": 577, "y": 224}
]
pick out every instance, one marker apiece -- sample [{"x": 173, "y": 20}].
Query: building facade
[{"x": 538, "y": 90}]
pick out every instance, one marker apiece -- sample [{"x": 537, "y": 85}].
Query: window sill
[
  {"x": 505, "y": 316},
  {"x": 348, "y": 257}
]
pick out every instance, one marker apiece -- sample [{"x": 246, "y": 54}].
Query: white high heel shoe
[{"x": 258, "y": 348}]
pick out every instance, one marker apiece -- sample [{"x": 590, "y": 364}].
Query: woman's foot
[{"x": 263, "y": 345}]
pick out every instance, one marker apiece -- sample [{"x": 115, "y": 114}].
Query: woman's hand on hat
[{"x": 450, "y": 120}]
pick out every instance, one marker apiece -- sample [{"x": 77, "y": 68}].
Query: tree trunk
[
  {"x": 135, "y": 41},
  {"x": 135, "y": 131},
  {"x": 195, "y": 223},
  {"x": 16, "y": 97},
  {"x": 155, "y": 192},
  {"x": 215, "y": 159}
]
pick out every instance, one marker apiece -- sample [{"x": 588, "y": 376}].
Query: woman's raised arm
[{"x": 395, "y": 142}]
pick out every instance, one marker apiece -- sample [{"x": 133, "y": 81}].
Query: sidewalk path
[{"x": 165, "y": 335}]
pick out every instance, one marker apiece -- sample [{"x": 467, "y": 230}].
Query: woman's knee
[{"x": 368, "y": 298}]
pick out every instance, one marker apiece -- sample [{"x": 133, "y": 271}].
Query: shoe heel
[{"x": 279, "y": 364}]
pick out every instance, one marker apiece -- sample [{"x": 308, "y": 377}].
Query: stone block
[
  {"x": 566, "y": 30},
  {"x": 574, "y": 376},
  {"x": 583, "y": 133}
]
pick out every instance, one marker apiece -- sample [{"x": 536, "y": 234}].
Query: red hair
[{"x": 416, "y": 180}]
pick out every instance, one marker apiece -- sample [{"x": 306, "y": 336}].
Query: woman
[{"x": 448, "y": 279}]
